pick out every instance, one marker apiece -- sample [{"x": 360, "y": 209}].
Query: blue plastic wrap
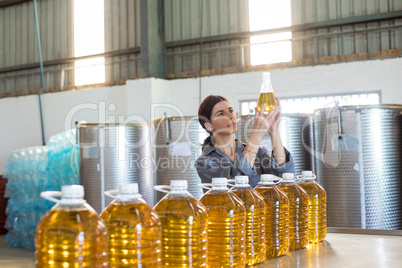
[{"x": 31, "y": 171}]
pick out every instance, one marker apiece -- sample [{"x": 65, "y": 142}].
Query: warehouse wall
[
  {"x": 310, "y": 11},
  {"x": 222, "y": 25},
  {"x": 18, "y": 44},
  {"x": 19, "y": 125},
  {"x": 122, "y": 31},
  {"x": 188, "y": 20},
  {"x": 150, "y": 98}
]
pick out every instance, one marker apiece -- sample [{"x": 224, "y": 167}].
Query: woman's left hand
[{"x": 275, "y": 122}]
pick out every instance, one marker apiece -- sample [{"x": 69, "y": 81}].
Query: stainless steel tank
[
  {"x": 111, "y": 154},
  {"x": 296, "y": 134},
  {"x": 177, "y": 145},
  {"x": 358, "y": 160}
]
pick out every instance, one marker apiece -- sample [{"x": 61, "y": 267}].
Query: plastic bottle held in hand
[
  {"x": 71, "y": 234},
  {"x": 298, "y": 211},
  {"x": 134, "y": 229},
  {"x": 255, "y": 220},
  {"x": 266, "y": 94},
  {"x": 226, "y": 225},
  {"x": 317, "y": 207},
  {"x": 276, "y": 216},
  {"x": 184, "y": 227}
]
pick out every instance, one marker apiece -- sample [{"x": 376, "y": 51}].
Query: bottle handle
[
  {"x": 48, "y": 195},
  {"x": 112, "y": 194},
  {"x": 231, "y": 180},
  {"x": 161, "y": 188},
  {"x": 299, "y": 177},
  {"x": 205, "y": 185},
  {"x": 274, "y": 183}
]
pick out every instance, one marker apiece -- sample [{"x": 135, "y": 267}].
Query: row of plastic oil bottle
[{"x": 225, "y": 228}]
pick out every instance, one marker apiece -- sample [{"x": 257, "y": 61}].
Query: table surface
[
  {"x": 345, "y": 250},
  {"x": 338, "y": 250}
]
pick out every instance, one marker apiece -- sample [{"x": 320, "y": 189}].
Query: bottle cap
[
  {"x": 128, "y": 188},
  {"x": 176, "y": 187},
  {"x": 70, "y": 195},
  {"x": 72, "y": 192},
  {"x": 288, "y": 177},
  {"x": 268, "y": 179},
  {"x": 242, "y": 181},
  {"x": 306, "y": 175},
  {"x": 178, "y": 184},
  {"x": 126, "y": 192},
  {"x": 219, "y": 183}
]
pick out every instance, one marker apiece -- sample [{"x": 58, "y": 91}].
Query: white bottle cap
[
  {"x": 176, "y": 187},
  {"x": 128, "y": 188},
  {"x": 72, "y": 192},
  {"x": 307, "y": 175},
  {"x": 178, "y": 184},
  {"x": 288, "y": 177},
  {"x": 219, "y": 183},
  {"x": 268, "y": 179},
  {"x": 242, "y": 181}
]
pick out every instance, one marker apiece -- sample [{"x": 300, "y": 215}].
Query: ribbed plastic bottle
[
  {"x": 255, "y": 220},
  {"x": 226, "y": 225},
  {"x": 184, "y": 227},
  {"x": 317, "y": 202},
  {"x": 71, "y": 234},
  {"x": 134, "y": 229},
  {"x": 298, "y": 211},
  {"x": 276, "y": 216}
]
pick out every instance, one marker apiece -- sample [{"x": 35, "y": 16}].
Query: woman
[{"x": 225, "y": 156}]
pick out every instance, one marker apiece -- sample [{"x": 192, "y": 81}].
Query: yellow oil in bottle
[
  {"x": 269, "y": 99},
  {"x": 184, "y": 228},
  {"x": 276, "y": 216},
  {"x": 226, "y": 226},
  {"x": 71, "y": 234},
  {"x": 298, "y": 212},
  {"x": 266, "y": 94},
  {"x": 134, "y": 230},
  {"x": 255, "y": 220},
  {"x": 317, "y": 211}
]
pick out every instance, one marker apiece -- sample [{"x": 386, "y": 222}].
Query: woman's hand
[
  {"x": 264, "y": 123},
  {"x": 274, "y": 126}
]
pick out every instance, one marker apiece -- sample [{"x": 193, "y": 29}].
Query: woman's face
[{"x": 223, "y": 119}]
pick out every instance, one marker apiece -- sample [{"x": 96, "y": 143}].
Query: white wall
[
  {"x": 59, "y": 107},
  {"x": 19, "y": 125},
  {"x": 146, "y": 99}
]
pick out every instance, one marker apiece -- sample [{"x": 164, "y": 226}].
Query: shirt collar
[{"x": 239, "y": 148}]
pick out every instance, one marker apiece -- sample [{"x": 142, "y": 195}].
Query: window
[
  {"x": 89, "y": 39},
  {"x": 309, "y": 104},
  {"x": 270, "y": 14}
]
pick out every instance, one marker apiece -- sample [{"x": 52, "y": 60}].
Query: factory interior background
[{"x": 69, "y": 65}]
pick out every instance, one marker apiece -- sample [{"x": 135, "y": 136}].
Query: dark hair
[{"x": 204, "y": 115}]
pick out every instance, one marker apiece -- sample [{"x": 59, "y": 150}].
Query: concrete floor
[{"x": 15, "y": 257}]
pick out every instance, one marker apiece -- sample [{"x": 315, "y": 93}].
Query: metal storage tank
[
  {"x": 296, "y": 133},
  {"x": 111, "y": 154},
  {"x": 178, "y": 144},
  {"x": 359, "y": 163}
]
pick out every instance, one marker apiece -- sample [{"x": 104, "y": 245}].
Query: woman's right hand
[{"x": 262, "y": 123}]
